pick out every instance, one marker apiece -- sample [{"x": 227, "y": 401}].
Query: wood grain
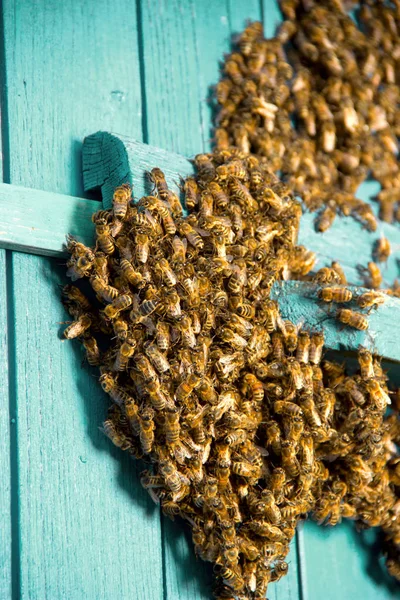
[
  {"x": 341, "y": 562},
  {"x": 88, "y": 530},
  {"x": 174, "y": 62},
  {"x": 5, "y": 443},
  {"x": 29, "y": 222},
  {"x": 299, "y": 303},
  {"x": 72, "y": 69}
]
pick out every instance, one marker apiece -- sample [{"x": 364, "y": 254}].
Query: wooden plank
[
  {"x": 179, "y": 39},
  {"x": 298, "y": 302},
  {"x": 272, "y": 17},
  {"x": 72, "y": 69},
  {"x": 7, "y": 542},
  {"x": 341, "y": 562},
  {"x": 29, "y": 222},
  {"x": 346, "y": 241},
  {"x": 110, "y": 159},
  {"x": 87, "y": 528},
  {"x": 180, "y": 120}
]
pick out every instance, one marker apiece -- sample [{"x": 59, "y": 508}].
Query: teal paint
[
  {"x": 299, "y": 303},
  {"x": 82, "y": 534},
  {"x": 86, "y": 530},
  {"x": 29, "y": 223},
  {"x": 6, "y": 426}
]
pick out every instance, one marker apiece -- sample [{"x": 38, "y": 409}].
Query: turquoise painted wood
[
  {"x": 29, "y": 223},
  {"x": 82, "y": 528},
  {"x": 7, "y": 428},
  {"x": 299, "y": 303},
  {"x": 87, "y": 529}
]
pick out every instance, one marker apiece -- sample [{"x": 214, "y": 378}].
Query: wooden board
[
  {"x": 81, "y": 525},
  {"x": 29, "y": 223},
  {"x": 87, "y": 529},
  {"x": 8, "y": 529}
]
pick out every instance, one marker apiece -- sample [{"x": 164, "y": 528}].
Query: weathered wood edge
[
  {"x": 299, "y": 303},
  {"x": 346, "y": 241},
  {"x": 109, "y": 160},
  {"x": 38, "y": 222},
  {"x": 6, "y": 516}
]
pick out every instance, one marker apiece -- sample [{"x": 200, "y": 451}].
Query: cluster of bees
[
  {"x": 244, "y": 426},
  {"x": 320, "y": 101}
]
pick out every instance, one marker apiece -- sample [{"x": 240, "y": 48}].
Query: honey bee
[
  {"x": 74, "y": 294},
  {"x": 255, "y": 386},
  {"x": 241, "y": 194},
  {"x": 187, "y": 386},
  {"x": 121, "y": 198},
  {"x": 134, "y": 277},
  {"x": 191, "y": 191},
  {"x": 335, "y": 294},
  {"x": 375, "y": 275},
  {"x": 382, "y": 249},
  {"x": 78, "y": 327},
  {"x": 156, "y": 357},
  {"x": 205, "y": 166},
  {"x": 366, "y": 363},
  {"x": 336, "y": 266},
  {"x": 147, "y": 426},
  {"x": 271, "y": 315},
  {"x": 117, "y": 437},
  {"x": 142, "y": 247},
  {"x": 326, "y": 275},
  {"x": 125, "y": 352},
  {"x": 179, "y": 250},
  {"x": 158, "y": 178},
  {"x": 370, "y": 299},
  {"x": 118, "y": 305},
  {"x": 303, "y": 347},
  {"x": 105, "y": 292},
  {"x": 352, "y": 319},
  {"x": 232, "y": 578},
  {"x": 104, "y": 240},
  {"x": 377, "y": 394},
  {"x": 92, "y": 350},
  {"x": 191, "y": 235}
]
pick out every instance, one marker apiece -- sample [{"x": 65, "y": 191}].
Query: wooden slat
[
  {"x": 346, "y": 241},
  {"x": 340, "y": 562},
  {"x": 6, "y": 425},
  {"x": 72, "y": 68},
  {"x": 299, "y": 303},
  {"x": 180, "y": 120},
  {"x": 88, "y": 530},
  {"x": 30, "y": 223}
]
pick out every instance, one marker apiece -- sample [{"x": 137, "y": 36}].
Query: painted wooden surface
[
  {"x": 87, "y": 529},
  {"x": 29, "y": 223},
  {"x": 182, "y": 45},
  {"x": 299, "y": 303},
  {"x": 7, "y": 429},
  {"x": 82, "y": 526}
]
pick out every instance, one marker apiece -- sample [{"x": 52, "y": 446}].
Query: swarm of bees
[
  {"x": 321, "y": 102},
  {"x": 244, "y": 427},
  {"x": 243, "y": 423}
]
